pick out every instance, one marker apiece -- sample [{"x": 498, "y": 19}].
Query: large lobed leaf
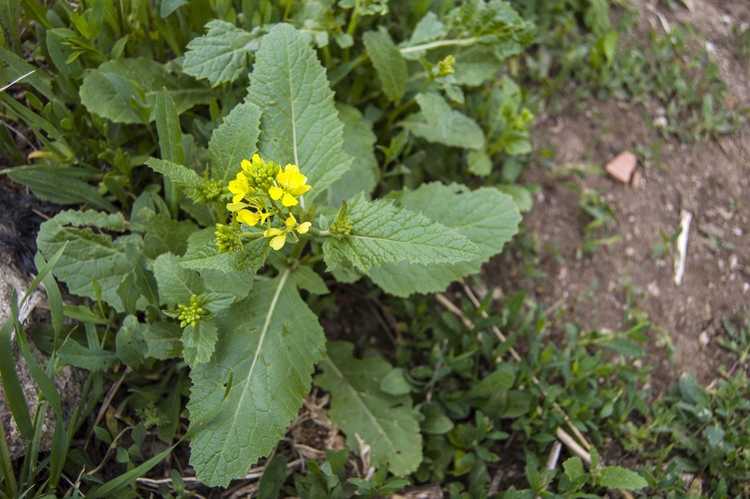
[
  {"x": 221, "y": 55},
  {"x": 243, "y": 399},
  {"x": 299, "y": 123},
  {"x": 384, "y": 233},
  {"x": 93, "y": 264},
  {"x": 486, "y": 217},
  {"x": 387, "y": 423}
]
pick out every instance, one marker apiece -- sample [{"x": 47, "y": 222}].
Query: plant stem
[{"x": 458, "y": 42}]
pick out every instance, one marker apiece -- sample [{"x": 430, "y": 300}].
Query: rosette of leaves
[{"x": 238, "y": 317}]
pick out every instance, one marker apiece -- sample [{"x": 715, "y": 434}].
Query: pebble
[
  {"x": 704, "y": 338},
  {"x": 622, "y": 167}
]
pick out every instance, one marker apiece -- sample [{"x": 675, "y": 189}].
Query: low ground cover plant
[{"x": 223, "y": 172}]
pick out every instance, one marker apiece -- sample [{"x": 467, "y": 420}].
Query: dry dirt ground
[{"x": 709, "y": 179}]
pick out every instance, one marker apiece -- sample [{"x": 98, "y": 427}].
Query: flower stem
[{"x": 458, "y": 42}]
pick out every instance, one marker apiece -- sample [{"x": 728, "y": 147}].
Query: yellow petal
[
  {"x": 278, "y": 242},
  {"x": 289, "y": 200},
  {"x": 272, "y": 232},
  {"x": 293, "y": 169},
  {"x": 304, "y": 227},
  {"x": 298, "y": 191},
  {"x": 240, "y": 185},
  {"x": 247, "y": 217},
  {"x": 246, "y": 165},
  {"x": 236, "y": 206},
  {"x": 282, "y": 178},
  {"x": 290, "y": 221},
  {"x": 257, "y": 159},
  {"x": 275, "y": 192}
]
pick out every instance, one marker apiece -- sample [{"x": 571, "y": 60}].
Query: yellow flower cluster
[
  {"x": 191, "y": 313},
  {"x": 263, "y": 190}
]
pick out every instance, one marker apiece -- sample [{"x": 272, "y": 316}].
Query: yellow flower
[
  {"x": 239, "y": 187},
  {"x": 252, "y": 212},
  {"x": 290, "y": 184},
  {"x": 278, "y": 236},
  {"x": 291, "y": 224}
]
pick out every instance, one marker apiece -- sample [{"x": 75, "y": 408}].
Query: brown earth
[{"x": 708, "y": 179}]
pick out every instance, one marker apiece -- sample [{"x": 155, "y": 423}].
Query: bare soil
[{"x": 708, "y": 179}]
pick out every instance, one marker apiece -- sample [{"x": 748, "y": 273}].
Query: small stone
[
  {"x": 661, "y": 122},
  {"x": 622, "y": 167},
  {"x": 737, "y": 232},
  {"x": 630, "y": 251},
  {"x": 704, "y": 338},
  {"x": 653, "y": 289}
]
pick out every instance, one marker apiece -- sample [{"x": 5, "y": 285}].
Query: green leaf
[
  {"x": 273, "y": 478},
  {"x": 130, "y": 343},
  {"x": 438, "y": 122},
  {"x": 486, "y": 217},
  {"x": 395, "y": 383},
  {"x": 306, "y": 278},
  {"x": 180, "y": 175},
  {"x": 429, "y": 28},
  {"x": 243, "y": 399},
  {"x": 299, "y": 123},
  {"x": 202, "y": 254},
  {"x": 617, "y": 477},
  {"x": 93, "y": 261},
  {"x": 574, "y": 469},
  {"x": 389, "y": 65},
  {"x": 74, "y": 354},
  {"x": 15, "y": 67},
  {"x": 10, "y": 13},
  {"x": 500, "y": 380},
  {"x": 163, "y": 340},
  {"x": 479, "y": 163},
  {"x": 234, "y": 140},
  {"x": 163, "y": 234},
  {"x": 199, "y": 342},
  {"x": 384, "y": 233},
  {"x": 112, "y": 96},
  {"x": 168, "y": 128},
  {"x": 59, "y": 184},
  {"x": 124, "y": 90},
  {"x": 168, "y": 6},
  {"x": 476, "y": 66},
  {"x": 435, "y": 421},
  {"x": 387, "y": 423},
  {"x": 222, "y": 55},
  {"x": 359, "y": 143},
  {"x": 176, "y": 284}
]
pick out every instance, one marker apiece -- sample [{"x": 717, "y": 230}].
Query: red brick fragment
[{"x": 623, "y": 166}]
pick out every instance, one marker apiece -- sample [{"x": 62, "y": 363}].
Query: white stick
[
  {"x": 682, "y": 243},
  {"x": 6, "y": 87}
]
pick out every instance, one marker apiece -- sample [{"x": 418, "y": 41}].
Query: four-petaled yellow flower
[
  {"x": 278, "y": 236},
  {"x": 251, "y": 212},
  {"x": 239, "y": 187},
  {"x": 290, "y": 184}
]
